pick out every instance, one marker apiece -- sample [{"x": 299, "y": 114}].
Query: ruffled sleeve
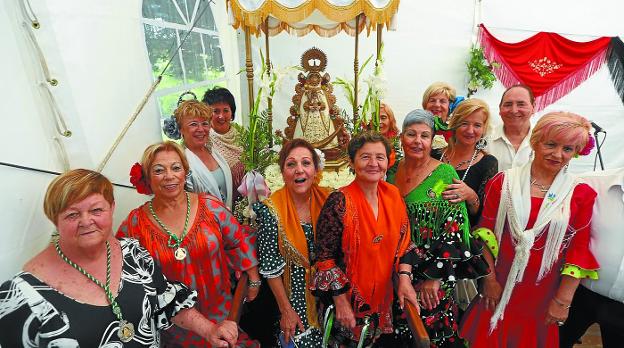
[
  {"x": 579, "y": 260},
  {"x": 271, "y": 261},
  {"x": 330, "y": 278},
  {"x": 171, "y": 297},
  {"x": 239, "y": 241}
]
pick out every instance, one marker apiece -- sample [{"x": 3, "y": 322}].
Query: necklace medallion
[
  {"x": 126, "y": 331},
  {"x": 180, "y": 254}
]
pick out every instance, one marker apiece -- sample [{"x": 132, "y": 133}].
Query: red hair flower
[
  {"x": 138, "y": 180},
  {"x": 591, "y": 142}
]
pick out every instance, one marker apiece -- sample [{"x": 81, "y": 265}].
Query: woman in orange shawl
[
  {"x": 362, "y": 232},
  {"x": 286, "y": 233}
]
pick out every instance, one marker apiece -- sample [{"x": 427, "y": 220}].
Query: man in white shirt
[
  {"x": 602, "y": 301},
  {"x": 509, "y": 142}
]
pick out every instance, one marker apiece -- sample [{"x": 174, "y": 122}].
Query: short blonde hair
[
  {"x": 192, "y": 109},
  {"x": 74, "y": 186},
  {"x": 150, "y": 154},
  {"x": 392, "y": 126},
  {"x": 439, "y": 88},
  {"x": 566, "y": 126}
]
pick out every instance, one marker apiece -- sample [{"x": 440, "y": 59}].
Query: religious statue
[{"x": 314, "y": 115}]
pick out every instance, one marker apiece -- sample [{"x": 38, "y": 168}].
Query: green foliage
[
  {"x": 479, "y": 71},
  {"x": 256, "y": 141}
]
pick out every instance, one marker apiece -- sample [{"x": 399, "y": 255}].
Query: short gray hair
[{"x": 419, "y": 116}]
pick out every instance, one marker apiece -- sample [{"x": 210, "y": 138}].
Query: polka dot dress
[{"x": 272, "y": 265}]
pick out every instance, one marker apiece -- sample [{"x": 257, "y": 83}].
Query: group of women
[{"x": 434, "y": 218}]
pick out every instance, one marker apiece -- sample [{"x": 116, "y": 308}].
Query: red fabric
[
  {"x": 547, "y": 62},
  {"x": 524, "y": 319},
  {"x": 216, "y": 245}
]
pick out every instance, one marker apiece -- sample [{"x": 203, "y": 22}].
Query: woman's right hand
[
  {"x": 289, "y": 322},
  {"x": 344, "y": 313},
  {"x": 491, "y": 293}
]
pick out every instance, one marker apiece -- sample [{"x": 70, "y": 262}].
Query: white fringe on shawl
[{"x": 515, "y": 207}]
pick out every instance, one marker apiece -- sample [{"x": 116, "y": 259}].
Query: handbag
[{"x": 465, "y": 291}]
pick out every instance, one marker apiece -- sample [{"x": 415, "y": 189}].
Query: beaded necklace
[
  {"x": 126, "y": 329},
  {"x": 175, "y": 241},
  {"x": 480, "y": 145}
]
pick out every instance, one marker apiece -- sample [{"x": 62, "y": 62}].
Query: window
[{"x": 199, "y": 63}]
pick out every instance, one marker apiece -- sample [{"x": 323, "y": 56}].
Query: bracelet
[
  {"x": 557, "y": 301},
  {"x": 409, "y": 274},
  {"x": 474, "y": 202},
  {"x": 254, "y": 284}
]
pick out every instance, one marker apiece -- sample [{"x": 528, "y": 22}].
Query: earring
[
  {"x": 481, "y": 144},
  {"x": 565, "y": 169}
]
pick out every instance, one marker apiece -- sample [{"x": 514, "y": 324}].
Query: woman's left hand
[
  {"x": 458, "y": 191},
  {"x": 556, "y": 314}
]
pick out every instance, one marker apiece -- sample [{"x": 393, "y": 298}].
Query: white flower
[
  {"x": 438, "y": 142},
  {"x": 276, "y": 148},
  {"x": 321, "y": 159}
]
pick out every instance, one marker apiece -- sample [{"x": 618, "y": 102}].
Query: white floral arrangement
[
  {"x": 331, "y": 178},
  {"x": 438, "y": 142}
]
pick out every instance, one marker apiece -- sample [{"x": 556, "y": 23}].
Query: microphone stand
[{"x": 598, "y": 152}]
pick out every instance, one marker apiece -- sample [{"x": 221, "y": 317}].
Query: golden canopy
[{"x": 299, "y": 17}]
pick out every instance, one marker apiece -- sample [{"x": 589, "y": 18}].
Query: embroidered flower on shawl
[{"x": 138, "y": 180}]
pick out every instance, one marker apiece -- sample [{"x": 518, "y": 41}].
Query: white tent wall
[{"x": 96, "y": 50}]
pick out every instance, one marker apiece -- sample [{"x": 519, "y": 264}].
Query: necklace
[
  {"x": 175, "y": 241},
  {"x": 126, "y": 329},
  {"x": 445, "y": 159},
  {"x": 408, "y": 179},
  {"x": 542, "y": 188}
]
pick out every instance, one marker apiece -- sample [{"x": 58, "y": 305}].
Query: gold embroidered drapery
[{"x": 299, "y": 17}]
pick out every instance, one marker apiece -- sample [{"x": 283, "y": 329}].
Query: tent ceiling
[{"x": 299, "y": 17}]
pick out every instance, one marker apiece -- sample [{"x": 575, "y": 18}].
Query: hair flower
[
  {"x": 138, "y": 180},
  {"x": 591, "y": 143},
  {"x": 171, "y": 128}
]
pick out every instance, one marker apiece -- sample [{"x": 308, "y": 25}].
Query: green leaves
[
  {"x": 255, "y": 141},
  {"x": 479, "y": 71}
]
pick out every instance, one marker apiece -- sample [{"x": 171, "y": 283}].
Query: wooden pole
[
  {"x": 268, "y": 64},
  {"x": 249, "y": 68},
  {"x": 356, "y": 68}
]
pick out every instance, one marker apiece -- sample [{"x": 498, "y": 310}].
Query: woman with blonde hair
[
  {"x": 193, "y": 237},
  {"x": 210, "y": 171},
  {"x": 535, "y": 223},
  {"x": 466, "y": 153},
  {"x": 440, "y": 98}
]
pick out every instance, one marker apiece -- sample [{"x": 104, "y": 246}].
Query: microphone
[{"x": 597, "y": 128}]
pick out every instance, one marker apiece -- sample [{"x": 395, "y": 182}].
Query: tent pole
[
  {"x": 268, "y": 65},
  {"x": 355, "y": 71},
  {"x": 249, "y": 68}
]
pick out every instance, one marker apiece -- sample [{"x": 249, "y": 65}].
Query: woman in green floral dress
[{"x": 440, "y": 229}]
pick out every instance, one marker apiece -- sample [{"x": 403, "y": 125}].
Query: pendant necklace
[
  {"x": 174, "y": 241},
  {"x": 542, "y": 188},
  {"x": 126, "y": 329}
]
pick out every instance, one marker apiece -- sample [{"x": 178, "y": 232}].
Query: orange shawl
[
  {"x": 372, "y": 247},
  {"x": 291, "y": 238}
]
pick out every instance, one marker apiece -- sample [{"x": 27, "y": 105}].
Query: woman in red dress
[
  {"x": 535, "y": 223},
  {"x": 193, "y": 237}
]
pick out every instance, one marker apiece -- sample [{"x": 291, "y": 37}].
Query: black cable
[
  {"x": 599, "y": 146},
  {"x": 50, "y": 172}
]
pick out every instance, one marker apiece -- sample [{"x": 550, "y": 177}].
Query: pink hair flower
[{"x": 591, "y": 143}]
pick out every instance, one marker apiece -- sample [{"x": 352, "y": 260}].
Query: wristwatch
[{"x": 409, "y": 274}]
